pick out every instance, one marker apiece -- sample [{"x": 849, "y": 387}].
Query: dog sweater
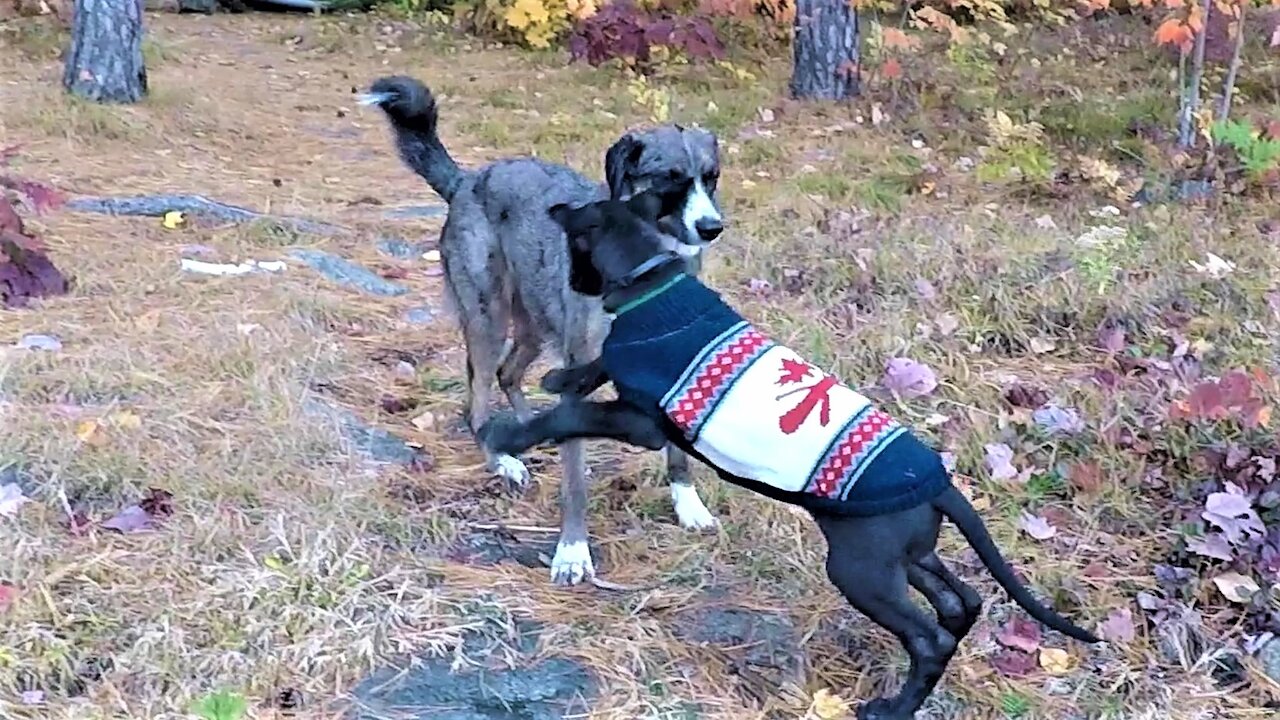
[{"x": 759, "y": 412}]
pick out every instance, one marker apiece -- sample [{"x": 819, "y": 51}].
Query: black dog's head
[
  {"x": 614, "y": 243},
  {"x": 683, "y": 166}
]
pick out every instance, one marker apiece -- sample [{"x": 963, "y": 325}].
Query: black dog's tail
[
  {"x": 954, "y": 505},
  {"x": 411, "y": 108}
]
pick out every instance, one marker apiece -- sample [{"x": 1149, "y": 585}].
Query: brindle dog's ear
[{"x": 620, "y": 159}]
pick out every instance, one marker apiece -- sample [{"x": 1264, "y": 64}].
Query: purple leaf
[
  {"x": 11, "y": 499},
  {"x": 130, "y": 520},
  {"x": 1212, "y": 545},
  {"x": 1057, "y": 420},
  {"x": 1000, "y": 461},
  {"x": 1118, "y": 627},
  {"x": 1036, "y": 526},
  {"x": 1233, "y": 512},
  {"x": 908, "y": 378},
  {"x": 1014, "y": 664}
]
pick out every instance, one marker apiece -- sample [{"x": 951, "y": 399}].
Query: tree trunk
[
  {"x": 826, "y": 50},
  {"x": 105, "y": 63}
]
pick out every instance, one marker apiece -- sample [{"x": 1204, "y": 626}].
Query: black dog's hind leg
[
  {"x": 959, "y": 606},
  {"x": 869, "y": 561},
  {"x": 690, "y": 510}
]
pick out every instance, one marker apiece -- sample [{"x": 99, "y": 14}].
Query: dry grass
[{"x": 293, "y": 563}]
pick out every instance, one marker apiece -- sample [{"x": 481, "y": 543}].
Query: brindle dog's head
[{"x": 683, "y": 166}]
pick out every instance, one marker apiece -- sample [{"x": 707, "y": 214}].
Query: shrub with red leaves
[
  {"x": 25, "y": 270},
  {"x": 620, "y": 30}
]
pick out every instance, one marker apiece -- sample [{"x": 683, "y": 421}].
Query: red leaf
[
  {"x": 891, "y": 69},
  {"x": 1020, "y": 634},
  {"x": 8, "y": 593}
]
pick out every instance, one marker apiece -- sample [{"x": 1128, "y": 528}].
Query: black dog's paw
[
  {"x": 881, "y": 709},
  {"x": 557, "y": 382},
  {"x": 580, "y": 381},
  {"x": 500, "y": 433},
  {"x": 406, "y": 99}
]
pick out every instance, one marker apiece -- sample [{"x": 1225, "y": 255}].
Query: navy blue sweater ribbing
[{"x": 651, "y": 345}]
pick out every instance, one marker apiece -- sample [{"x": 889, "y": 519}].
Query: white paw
[
  {"x": 512, "y": 470},
  {"x": 572, "y": 563},
  {"x": 693, "y": 515}
]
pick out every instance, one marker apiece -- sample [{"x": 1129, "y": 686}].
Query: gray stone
[
  {"x": 420, "y": 315},
  {"x": 345, "y": 272},
  {"x": 40, "y": 342},
  {"x": 158, "y": 205},
  {"x": 401, "y": 249},
  {"x": 416, "y": 211},
  {"x": 374, "y": 443},
  {"x": 1269, "y": 657},
  {"x": 549, "y": 689}
]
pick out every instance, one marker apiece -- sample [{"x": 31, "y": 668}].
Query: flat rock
[
  {"x": 420, "y": 315},
  {"x": 345, "y": 272},
  {"x": 401, "y": 249},
  {"x": 374, "y": 443},
  {"x": 1269, "y": 657},
  {"x": 547, "y": 689},
  {"x": 158, "y": 205},
  {"x": 416, "y": 211}
]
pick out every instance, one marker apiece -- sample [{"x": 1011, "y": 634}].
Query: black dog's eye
[
  {"x": 677, "y": 176},
  {"x": 710, "y": 178}
]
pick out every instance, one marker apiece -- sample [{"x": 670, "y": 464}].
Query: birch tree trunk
[
  {"x": 825, "y": 45},
  {"x": 105, "y": 63}
]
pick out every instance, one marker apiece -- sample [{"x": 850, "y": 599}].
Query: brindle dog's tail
[
  {"x": 954, "y": 505},
  {"x": 411, "y": 108}
]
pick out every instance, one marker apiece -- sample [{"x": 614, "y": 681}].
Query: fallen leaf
[
  {"x": 1275, "y": 37},
  {"x": 8, "y": 596},
  {"x": 1214, "y": 267},
  {"x": 126, "y": 420},
  {"x": 1045, "y": 222},
  {"x": 431, "y": 256},
  {"x": 1086, "y": 476},
  {"x": 173, "y": 220},
  {"x": 926, "y": 289},
  {"x": 947, "y": 323},
  {"x": 158, "y": 503},
  {"x": 90, "y": 432},
  {"x": 1233, "y": 512},
  {"x": 1112, "y": 339},
  {"x": 827, "y": 705},
  {"x": 891, "y": 69},
  {"x": 1013, "y": 664},
  {"x": 1000, "y": 461},
  {"x": 1057, "y": 420},
  {"x": 908, "y": 378},
  {"x": 1036, "y": 526},
  {"x": 425, "y": 421},
  {"x": 1236, "y": 587},
  {"x": 1055, "y": 661},
  {"x": 1118, "y": 627},
  {"x": 11, "y": 499},
  {"x": 32, "y": 697},
  {"x": 1020, "y": 634},
  {"x": 1041, "y": 346},
  {"x": 130, "y": 520},
  {"x": 39, "y": 342},
  {"x": 148, "y": 321}
]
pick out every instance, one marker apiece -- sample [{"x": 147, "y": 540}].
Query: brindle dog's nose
[{"x": 708, "y": 228}]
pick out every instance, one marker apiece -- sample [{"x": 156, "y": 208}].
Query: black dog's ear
[
  {"x": 620, "y": 158},
  {"x": 647, "y": 205},
  {"x": 576, "y": 221}
]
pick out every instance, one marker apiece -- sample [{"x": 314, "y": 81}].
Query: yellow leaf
[
  {"x": 173, "y": 220},
  {"x": 90, "y": 432},
  {"x": 1236, "y": 587},
  {"x": 126, "y": 420},
  {"x": 1055, "y": 661},
  {"x": 273, "y": 561},
  {"x": 425, "y": 421},
  {"x": 826, "y": 705},
  {"x": 1264, "y": 416}
]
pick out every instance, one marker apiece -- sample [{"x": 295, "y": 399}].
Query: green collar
[{"x": 655, "y": 292}]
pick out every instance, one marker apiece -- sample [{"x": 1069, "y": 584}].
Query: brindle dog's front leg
[{"x": 611, "y": 420}]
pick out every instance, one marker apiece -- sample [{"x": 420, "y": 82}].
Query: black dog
[{"x": 690, "y": 371}]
